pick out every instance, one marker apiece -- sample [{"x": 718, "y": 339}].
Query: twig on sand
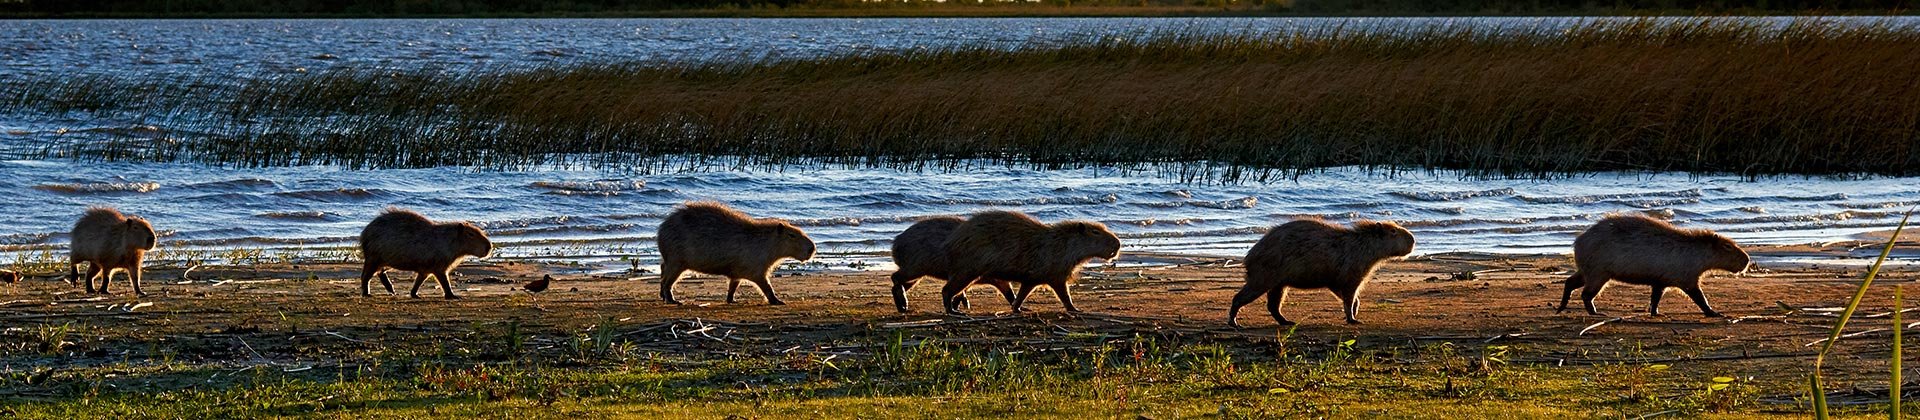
[
  {"x": 1583, "y": 331},
  {"x": 72, "y": 315},
  {"x": 1655, "y": 414},
  {"x": 1851, "y": 335},
  {"x": 938, "y": 322}
]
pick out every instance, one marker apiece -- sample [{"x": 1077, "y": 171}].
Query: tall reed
[
  {"x": 1805, "y": 96},
  {"x": 1819, "y": 393}
]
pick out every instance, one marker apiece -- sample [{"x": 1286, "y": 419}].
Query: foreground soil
[{"x": 226, "y": 331}]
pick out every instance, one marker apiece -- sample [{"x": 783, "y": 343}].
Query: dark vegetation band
[{"x": 1805, "y": 96}]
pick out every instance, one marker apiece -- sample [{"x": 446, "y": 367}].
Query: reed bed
[{"x": 1712, "y": 95}]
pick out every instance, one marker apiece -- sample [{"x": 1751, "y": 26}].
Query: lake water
[{"x": 602, "y": 217}]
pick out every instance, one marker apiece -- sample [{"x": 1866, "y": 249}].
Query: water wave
[{"x": 99, "y": 187}]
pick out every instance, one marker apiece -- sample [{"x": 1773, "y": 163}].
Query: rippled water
[
  {"x": 602, "y": 217},
  {"x": 598, "y": 217}
]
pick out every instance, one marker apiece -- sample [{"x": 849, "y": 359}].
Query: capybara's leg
[
  {"x": 1066, "y": 297},
  {"x": 73, "y": 273},
  {"x": 93, "y": 271},
  {"x": 1247, "y": 294},
  {"x": 1349, "y": 300},
  {"x": 106, "y": 276},
  {"x": 367, "y": 272},
  {"x": 955, "y": 286},
  {"x": 733, "y": 285},
  {"x": 1573, "y": 282},
  {"x": 1275, "y": 298},
  {"x": 901, "y": 284},
  {"x": 1020, "y": 301},
  {"x": 1653, "y": 304},
  {"x": 1593, "y": 285},
  {"x": 1006, "y": 291},
  {"x": 133, "y": 276},
  {"x": 766, "y": 289},
  {"x": 446, "y": 285},
  {"x": 418, "y": 279},
  {"x": 1700, "y": 298},
  {"x": 669, "y": 274},
  {"x": 387, "y": 283}
]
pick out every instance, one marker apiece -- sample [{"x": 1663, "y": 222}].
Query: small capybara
[
  {"x": 1014, "y": 247},
  {"x": 109, "y": 241},
  {"x": 403, "y": 240},
  {"x": 1312, "y": 254},
  {"x": 1642, "y": 250},
  {"x": 710, "y": 238},
  {"x": 920, "y": 252}
]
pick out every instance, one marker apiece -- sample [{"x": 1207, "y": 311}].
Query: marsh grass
[{"x": 1751, "y": 97}]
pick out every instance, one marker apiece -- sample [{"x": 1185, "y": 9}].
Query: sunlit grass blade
[{"x": 1840, "y": 325}]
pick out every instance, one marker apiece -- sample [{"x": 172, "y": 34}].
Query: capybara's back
[
  {"x": 1641, "y": 250},
  {"x": 405, "y": 240},
  {"x": 1312, "y": 254},
  {"x": 109, "y": 241},
  {"x": 710, "y": 238}
]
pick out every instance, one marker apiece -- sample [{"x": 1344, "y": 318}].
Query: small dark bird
[{"x": 538, "y": 286}]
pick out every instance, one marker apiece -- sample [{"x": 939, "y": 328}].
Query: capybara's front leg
[
  {"x": 1247, "y": 294},
  {"x": 766, "y": 289},
  {"x": 733, "y": 285},
  {"x": 1066, "y": 297},
  {"x": 73, "y": 274},
  {"x": 1566, "y": 293},
  {"x": 446, "y": 283},
  {"x": 1275, "y": 298},
  {"x": 1700, "y": 299},
  {"x": 669, "y": 274},
  {"x": 418, "y": 279},
  {"x": 133, "y": 276},
  {"x": 1350, "y": 301}
]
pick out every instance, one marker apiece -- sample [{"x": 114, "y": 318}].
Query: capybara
[
  {"x": 1642, "y": 250},
  {"x": 1312, "y": 254},
  {"x": 1014, "y": 247},
  {"x": 920, "y": 252},
  {"x": 710, "y": 238},
  {"x": 403, "y": 240},
  {"x": 110, "y": 241}
]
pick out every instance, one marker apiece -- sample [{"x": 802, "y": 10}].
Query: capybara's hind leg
[
  {"x": 387, "y": 283},
  {"x": 954, "y": 287},
  {"x": 446, "y": 285},
  {"x": 93, "y": 271},
  {"x": 669, "y": 274},
  {"x": 106, "y": 276},
  {"x": 901, "y": 284},
  {"x": 1020, "y": 300},
  {"x": 1006, "y": 291},
  {"x": 418, "y": 279},
  {"x": 73, "y": 274},
  {"x": 766, "y": 289},
  {"x": 733, "y": 286},
  {"x": 1700, "y": 298},
  {"x": 367, "y": 272},
  {"x": 1066, "y": 297},
  {"x": 1594, "y": 284},
  {"x": 1247, "y": 294},
  {"x": 1573, "y": 282},
  {"x": 1653, "y": 304},
  {"x": 1275, "y": 298},
  {"x": 1350, "y": 301}
]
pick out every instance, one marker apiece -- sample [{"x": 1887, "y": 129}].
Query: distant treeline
[{"x": 430, "y": 8}]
